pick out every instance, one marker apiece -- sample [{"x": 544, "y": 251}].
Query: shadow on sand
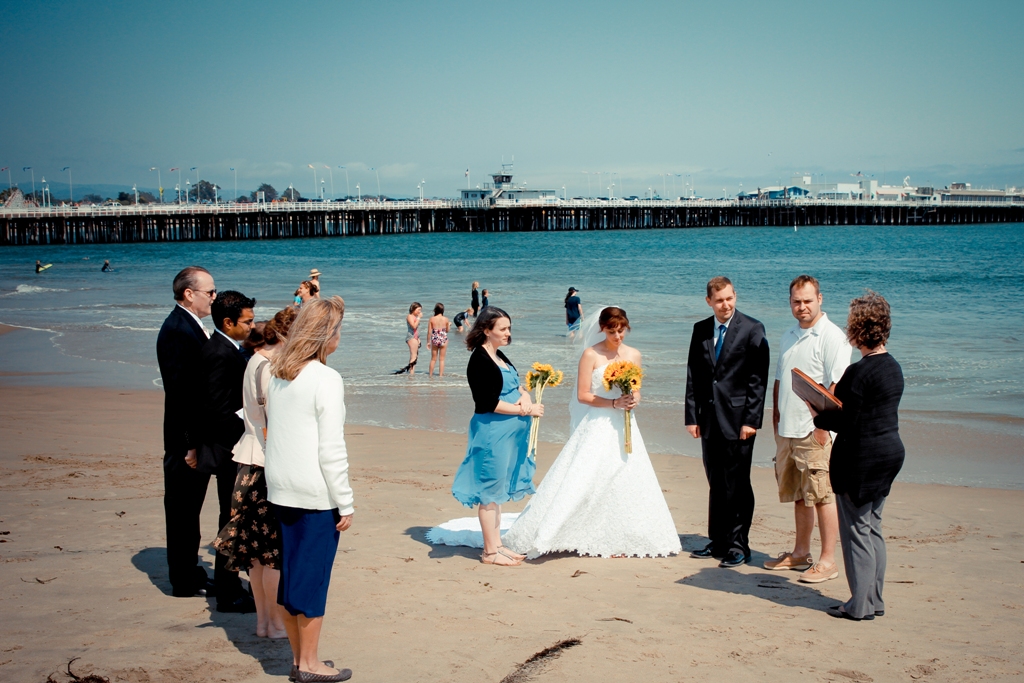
[
  {"x": 275, "y": 656},
  {"x": 441, "y": 552},
  {"x": 772, "y": 587}
]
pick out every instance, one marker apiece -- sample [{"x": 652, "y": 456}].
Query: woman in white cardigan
[{"x": 307, "y": 477}]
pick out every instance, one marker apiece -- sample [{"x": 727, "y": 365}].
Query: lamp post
[
  {"x": 29, "y": 168},
  {"x": 136, "y": 191},
  {"x": 196, "y": 169},
  {"x": 178, "y": 186},
  {"x": 348, "y": 190},
  {"x": 322, "y": 183},
  {"x": 188, "y": 190},
  {"x": 422, "y": 183},
  {"x": 159, "y": 184},
  {"x": 236, "y": 183},
  {"x": 378, "y": 182},
  {"x": 45, "y": 189},
  {"x": 177, "y": 192},
  {"x": 292, "y": 190},
  {"x": 71, "y": 187},
  {"x": 216, "y": 199},
  {"x": 564, "y": 197},
  {"x": 329, "y": 170},
  {"x": 359, "y": 193}
]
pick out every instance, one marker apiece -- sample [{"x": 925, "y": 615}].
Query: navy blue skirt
[{"x": 309, "y": 542}]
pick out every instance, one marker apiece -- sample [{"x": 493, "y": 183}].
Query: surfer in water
[{"x": 106, "y": 267}]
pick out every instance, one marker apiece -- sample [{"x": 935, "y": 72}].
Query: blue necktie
[{"x": 721, "y": 338}]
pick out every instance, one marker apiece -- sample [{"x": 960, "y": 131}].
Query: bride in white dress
[{"x": 595, "y": 499}]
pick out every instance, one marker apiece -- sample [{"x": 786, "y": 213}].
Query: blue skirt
[
  {"x": 496, "y": 468},
  {"x": 309, "y": 542}
]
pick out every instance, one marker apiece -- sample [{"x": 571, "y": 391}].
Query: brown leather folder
[{"x": 814, "y": 393}]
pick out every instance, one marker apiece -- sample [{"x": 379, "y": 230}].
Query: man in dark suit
[
  {"x": 178, "y": 348},
  {"x": 223, "y": 362},
  {"x": 726, "y": 379}
]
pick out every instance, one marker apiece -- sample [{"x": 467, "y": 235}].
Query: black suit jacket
[
  {"x": 223, "y": 368},
  {"x": 732, "y": 390},
  {"x": 178, "y": 349}
]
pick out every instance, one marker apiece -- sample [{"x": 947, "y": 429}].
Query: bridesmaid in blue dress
[{"x": 496, "y": 469}]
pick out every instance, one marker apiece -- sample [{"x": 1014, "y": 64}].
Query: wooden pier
[{"x": 179, "y": 223}]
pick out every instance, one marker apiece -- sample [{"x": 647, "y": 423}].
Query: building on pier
[{"x": 503, "y": 190}]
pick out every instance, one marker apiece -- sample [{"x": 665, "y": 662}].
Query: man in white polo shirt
[{"x": 818, "y": 347}]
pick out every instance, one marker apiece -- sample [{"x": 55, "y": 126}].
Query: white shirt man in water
[{"x": 819, "y": 348}]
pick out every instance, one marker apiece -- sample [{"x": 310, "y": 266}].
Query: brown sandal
[
  {"x": 514, "y": 562},
  {"x": 518, "y": 556}
]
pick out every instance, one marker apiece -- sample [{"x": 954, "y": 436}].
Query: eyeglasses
[{"x": 210, "y": 293}]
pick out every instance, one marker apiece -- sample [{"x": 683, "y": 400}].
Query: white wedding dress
[{"x": 595, "y": 499}]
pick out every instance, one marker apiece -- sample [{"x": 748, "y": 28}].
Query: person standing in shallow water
[
  {"x": 496, "y": 468},
  {"x": 474, "y": 297},
  {"x": 437, "y": 338},
  {"x": 573, "y": 312},
  {"x": 412, "y": 334}
]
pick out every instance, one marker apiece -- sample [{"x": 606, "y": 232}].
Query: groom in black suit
[
  {"x": 726, "y": 379},
  {"x": 178, "y": 349},
  {"x": 223, "y": 362}
]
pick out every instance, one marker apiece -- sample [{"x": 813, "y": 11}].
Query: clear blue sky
[{"x": 729, "y": 92}]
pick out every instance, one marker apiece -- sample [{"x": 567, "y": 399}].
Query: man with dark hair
[
  {"x": 223, "y": 364},
  {"x": 178, "y": 349},
  {"x": 726, "y": 379},
  {"x": 818, "y": 348}
]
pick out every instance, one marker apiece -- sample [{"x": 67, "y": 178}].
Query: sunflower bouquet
[
  {"x": 537, "y": 379},
  {"x": 627, "y": 377}
]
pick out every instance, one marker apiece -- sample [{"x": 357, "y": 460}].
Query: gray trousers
[{"x": 860, "y": 533}]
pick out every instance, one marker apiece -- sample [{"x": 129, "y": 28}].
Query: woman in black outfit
[
  {"x": 475, "y": 299},
  {"x": 867, "y": 454}
]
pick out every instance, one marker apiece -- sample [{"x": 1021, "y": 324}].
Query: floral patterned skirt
[{"x": 253, "y": 532}]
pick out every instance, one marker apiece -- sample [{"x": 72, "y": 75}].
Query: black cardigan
[
  {"x": 868, "y": 452},
  {"x": 485, "y": 380}
]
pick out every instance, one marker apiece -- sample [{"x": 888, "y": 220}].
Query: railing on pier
[{"x": 276, "y": 220}]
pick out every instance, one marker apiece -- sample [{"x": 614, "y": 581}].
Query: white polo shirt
[{"x": 823, "y": 353}]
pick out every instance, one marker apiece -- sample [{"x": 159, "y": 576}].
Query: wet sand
[{"x": 83, "y": 574}]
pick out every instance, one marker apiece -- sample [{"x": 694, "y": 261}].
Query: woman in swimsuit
[
  {"x": 412, "y": 334},
  {"x": 437, "y": 332}
]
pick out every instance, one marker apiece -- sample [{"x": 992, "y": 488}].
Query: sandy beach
[{"x": 83, "y": 575}]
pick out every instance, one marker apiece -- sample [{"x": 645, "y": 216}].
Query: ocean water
[{"x": 956, "y": 295}]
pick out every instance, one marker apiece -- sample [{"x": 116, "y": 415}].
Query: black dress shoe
[
  {"x": 242, "y": 605},
  {"x": 734, "y": 558},
  {"x": 705, "y": 553}
]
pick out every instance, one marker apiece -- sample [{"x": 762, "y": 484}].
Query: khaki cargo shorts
[{"x": 801, "y": 470}]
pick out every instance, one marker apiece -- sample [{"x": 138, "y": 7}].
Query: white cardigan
[{"x": 306, "y": 459}]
